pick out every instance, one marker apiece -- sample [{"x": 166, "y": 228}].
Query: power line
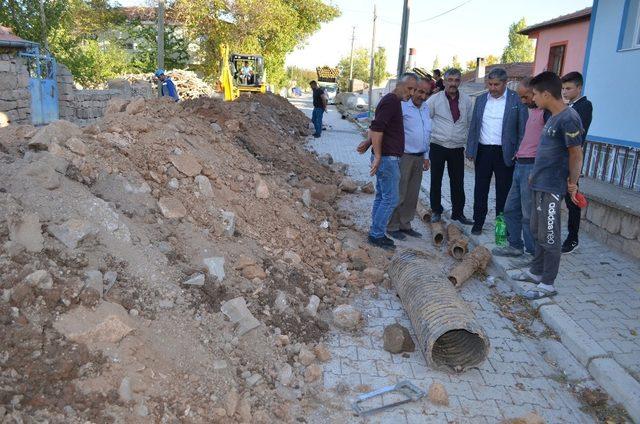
[{"x": 443, "y": 13}]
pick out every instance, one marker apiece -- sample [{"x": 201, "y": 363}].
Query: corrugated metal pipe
[{"x": 447, "y": 331}]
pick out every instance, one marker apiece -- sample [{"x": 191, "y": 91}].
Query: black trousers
[
  {"x": 573, "y": 224},
  {"x": 454, "y": 159},
  {"x": 489, "y": 162}
]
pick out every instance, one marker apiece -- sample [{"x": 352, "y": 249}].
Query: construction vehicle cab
[{"x": 248, "y": 72}]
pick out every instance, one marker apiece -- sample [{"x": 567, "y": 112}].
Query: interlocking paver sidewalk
[{"x": 519, "y": 376}]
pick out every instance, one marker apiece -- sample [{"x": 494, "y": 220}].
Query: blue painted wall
[{"x": 612, "y": 77}]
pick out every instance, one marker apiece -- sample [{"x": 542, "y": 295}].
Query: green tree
[
  {"x": 272, "y": 28},
  {"x": 145, "y": 57},
  {"x": 520, "y": 47},
  {"x": 301, "y": 77},
  {"x": 436, "y": 63},
  {"x": 23, "y": 17},
  {"x": 361, "y": 67},
  {"x": 455, "y": 62}
]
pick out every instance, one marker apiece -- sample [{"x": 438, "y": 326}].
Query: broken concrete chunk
[
  {"x": 173, "y": 184},
  {"x": 143, "y": 188},
  {"x": 312, "y": 373},
  {"x": 262, "y": 190},
  {"x": 216, "y": 127},
  {"x": 373, "y": 275},
  {"x": 229, "y": 223},
  {"x": 195, "y": 280},
  {"x": 292, "y": 257},
  {"x": 93, "y": 280},
  {"x": 72, "y": 232},
  {"x": 306, "y": 197},
  {"x": 438, "y": 394},
  {"x": 348, "y": 185},
  {"x": 77, "y": 146},
  {"x": 108, "y": 323},
  {"x": 397, "y": 339},
  {"x": 124, "y": 391},
  {"x": 368, "y": 188},
  {"x": 57, "y": 132},
  {"x": 312, "y": 306},
  {"x": 322, "y": 353},
  {"x": 172, "y": 207},
  {"x": 253, "y": 271},
  {"x": 40, "y": 279},
  {"x": 231, "y": 402},
  {"x": 285, "y": 375},
  {"x": 215, "y": 267},
  {"x": 187, "y": 164},
  {"x": 204, "y": 185},
  {"x": 26, "y": 231},
  {"x": 237, "y": 311},
  {"x": 109, "y": 280},
  {"x": 347, "y": 317},
  {"x": 306, "y": 357},
  {"x": 281, "y": 303}
]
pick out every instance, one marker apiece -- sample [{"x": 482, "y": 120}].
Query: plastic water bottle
[{"x": 501, "y": 231}]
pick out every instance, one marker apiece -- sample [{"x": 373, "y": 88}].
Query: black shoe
[
  {"x": 398, "y": 235},
  {"x": 463, "y": 220},
  {"x": 382, "y": 242},
  {"x": 475, "y": 230},
  {"x": 436, "y": 217},
  {"x": 411, "y": 232},
  {"x": 569, "y": 246},
  {"x": 316, "y": 135}
]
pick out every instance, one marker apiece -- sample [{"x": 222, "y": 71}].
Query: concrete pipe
[
  {"x": 477, "y": 260},
  {"x": 423, "y": 213},
  {"x": 447, "y": 332},
  {"x": 437, "y": 233},
  {"x": 458, "y": 242}
]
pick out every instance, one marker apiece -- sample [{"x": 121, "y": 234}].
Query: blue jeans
[
  {"x": 517, "y": 209},
  {"x": 316, "y": 118},
  {"x": 387, "y": 194}
]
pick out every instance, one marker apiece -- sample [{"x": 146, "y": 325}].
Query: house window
[
  {"x": 556, "y": 58},
  {"x": 630, "y": 30}
]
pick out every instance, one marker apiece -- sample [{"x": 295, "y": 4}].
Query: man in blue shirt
[
  {"x": 168, "y": 88},
  {"x": 417, "y": 129}
]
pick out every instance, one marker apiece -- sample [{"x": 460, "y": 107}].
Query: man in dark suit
[
  {"x": 497, "y": 127},
  {"x": 572, "y": 92}
]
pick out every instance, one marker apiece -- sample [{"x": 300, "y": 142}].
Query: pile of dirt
[
  {"x": 188, "y": 83},
  {"x": 129, "y": 249}
]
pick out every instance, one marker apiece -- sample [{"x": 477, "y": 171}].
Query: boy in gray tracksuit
[{"x": 555, "y": 172}]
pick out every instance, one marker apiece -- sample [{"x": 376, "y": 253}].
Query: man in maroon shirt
[{"x": 386, "y": 133}]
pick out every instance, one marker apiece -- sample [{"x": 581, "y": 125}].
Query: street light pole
[
  {"x": 353, "y": 37},
  {"x": 371, "y": 64},
  {"x": 404, "y": 32},
  {"x": 160, "y": 40}
]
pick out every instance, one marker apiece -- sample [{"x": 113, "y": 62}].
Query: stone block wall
[
  {"x": 15, "y": 98},
  {"x": 616, "y": 227}
]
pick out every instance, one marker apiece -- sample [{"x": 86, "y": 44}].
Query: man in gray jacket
[
  {"x": 450, "y": 112},
  {"x": 497, "y": 127}
]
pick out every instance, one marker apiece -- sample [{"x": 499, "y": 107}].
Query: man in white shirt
[
  {"x": 496, "y": 129},
  {"x": 417, "y": 129}
]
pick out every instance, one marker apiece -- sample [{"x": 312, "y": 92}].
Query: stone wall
[
  {"x": 613, "y": 217},
  {"x": 82, "y": 107},
  {"x": 15, "y": 98}
]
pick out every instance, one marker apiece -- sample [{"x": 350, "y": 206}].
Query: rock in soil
[
  {"x": 438, "y": 394},
  {"x": 397, "y": 339},
  {"x": 312, "y": 373},
  {"x": 530, "y": 418},
  {"x": 347, "y": 317}
]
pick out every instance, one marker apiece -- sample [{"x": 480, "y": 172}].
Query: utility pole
[
  {"x": 160, "y": 41},
  {"x": 353, "y": 38},
  {"x": 371, "y": 67},
  {"x": 404, "y": 32},
  {"x": 43, "y": 23}
]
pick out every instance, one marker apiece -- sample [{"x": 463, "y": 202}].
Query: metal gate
[{"x": 42, "y": 85}]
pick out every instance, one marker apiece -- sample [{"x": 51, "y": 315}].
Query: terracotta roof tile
[{"x": 515, "y": 71}]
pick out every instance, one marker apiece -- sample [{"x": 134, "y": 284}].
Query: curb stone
[{"x": 613, "y": 378}]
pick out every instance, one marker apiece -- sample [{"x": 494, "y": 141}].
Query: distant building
[
  {"x": 560, "y": 42},
  {"x": 473, "y": 81}
]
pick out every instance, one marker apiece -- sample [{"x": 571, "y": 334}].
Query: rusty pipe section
[
  {"x": 437, "y": 233},
  {"x": 447, "y": 331},
  {"x": 458, "y": 242},
  {"x": 477, "y": 260}
]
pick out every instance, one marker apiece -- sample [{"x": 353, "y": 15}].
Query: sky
[{"x": 476, "y": 28}]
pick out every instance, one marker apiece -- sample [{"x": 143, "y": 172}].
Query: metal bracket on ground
[{"x": 406, "y": 388}]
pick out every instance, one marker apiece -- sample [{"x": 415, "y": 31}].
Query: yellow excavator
[{"x": 241, "y": 73}]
